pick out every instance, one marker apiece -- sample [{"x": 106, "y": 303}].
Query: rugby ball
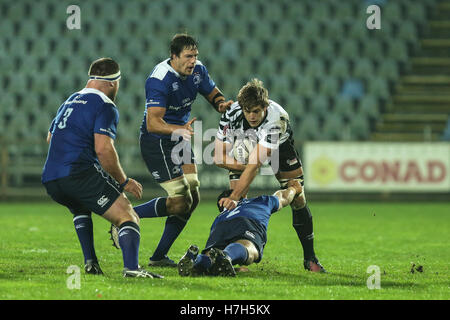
[{"x": 242, "y": 149}]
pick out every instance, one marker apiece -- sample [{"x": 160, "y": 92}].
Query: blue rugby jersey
[
  {"x": 259, "y": 209},
  {"x": 72, "y": 147},
  {"x": 168, "y": 89}
]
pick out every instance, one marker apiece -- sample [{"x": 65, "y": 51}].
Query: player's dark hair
[
  {"x": 182, "y": 41},
  {"x": 103, "y": 67},
  {"x": 253, "y": 94}
]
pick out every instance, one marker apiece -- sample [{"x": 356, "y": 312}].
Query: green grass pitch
[{"x": 38, "y": 244}]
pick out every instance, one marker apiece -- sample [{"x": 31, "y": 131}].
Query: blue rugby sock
[
  {"x": 129, "y": 238},
  {"x": 237, "y": 252},
  {"x": 84, "y": 228},
  {"x": 152, "y": 209},
  {"x": 202, "y": 262},
  {"x": 172, "y": 230}
]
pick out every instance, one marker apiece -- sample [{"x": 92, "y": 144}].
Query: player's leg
[
  {"x": 82, "y": 223},
  {"x": 302, "y": 220}
]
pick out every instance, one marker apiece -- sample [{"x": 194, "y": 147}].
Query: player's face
[
  {"x": 184, "y": 63},
  {"x": 254, "y": 115}
]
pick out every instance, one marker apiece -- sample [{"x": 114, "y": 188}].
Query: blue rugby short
[
  {"x": 91, "y": 190},
  {"x": 164, "y": 157},
  {"x": 230, "y": 231}
]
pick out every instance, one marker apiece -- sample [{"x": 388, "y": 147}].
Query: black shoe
[
  {"x": 140, "y": 273},
  {"x": 92, "y": 267},
  {"x": 186, "y": 263},
  {"x": 114, "y": 231},
  {"x": 222, "y": 264},
  {"x": 313, "y": 265}
]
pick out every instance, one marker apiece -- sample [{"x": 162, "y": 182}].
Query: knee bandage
[
  {"x": 192, "y": 179},
  {"x": 176, "y": 188}
]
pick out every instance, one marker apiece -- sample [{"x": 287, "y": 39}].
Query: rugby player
[
  {"x": 265, "y": 122},
  {"x": 237, "y": 236},
  {"x": 82, "y": 170},
  {"x": 166, "y": 130}
]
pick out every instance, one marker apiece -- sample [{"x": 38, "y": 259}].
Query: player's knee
[{"x": 179, "y": 206}]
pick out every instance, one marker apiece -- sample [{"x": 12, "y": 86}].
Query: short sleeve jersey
[
  {"x": 72, "y": 146},
  {"x": 259, "y": 209},
  {"x": 168, "y": 89},
  {"x": 273, "y": 130}
]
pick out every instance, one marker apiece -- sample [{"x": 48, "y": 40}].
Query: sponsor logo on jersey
[
  {"x": 197, "y": 78},
  {"x": 292, "y": 161},
  {"x": 175, "y": 86}
]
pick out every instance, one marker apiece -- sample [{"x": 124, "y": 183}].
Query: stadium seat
[
  {"x": 378, "y": 86},
  {"x": 328, "y": 86},
  {"x": 301, "y": 48},
  {"x": 314, "y": 67},
  {"x": 308, "y": 128},
  {"x": 348, "y": 48},
  {"x": 310, "y": 29},
  {"x": 388, "y": 69},
  {"x": 343, "y": 106},
  {"x": 369, "y": 106},
  {"x": 339, "y": 67},
  {"x": 320, "y": 106},
  {"x": 333, "y": 127},
  {"x": 359, "y": 127},
  {"x": 397, "y": 50},
  {"x": 363, "y": 68},
  {"x": 305, "y": 86},
  {"x": 324, "y": 49},
  {"x": 291, "y": 66}
]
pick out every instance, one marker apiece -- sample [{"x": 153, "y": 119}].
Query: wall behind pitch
[{"x": 377, "y": 167}]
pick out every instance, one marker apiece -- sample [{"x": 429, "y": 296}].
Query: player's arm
[
  {"x": 258, "y": 156},
  {"x": 217, "y": 100},
  {"x": 222, "y": 159},
  {"x": 286, "y": 196},
  {"x": 49, "y": 137},
  {"x": 156, "y": 124},
  {"x": 109, "y": 160}
]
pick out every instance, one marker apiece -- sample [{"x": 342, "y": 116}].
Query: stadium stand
[{"x": 338, "y": 80}]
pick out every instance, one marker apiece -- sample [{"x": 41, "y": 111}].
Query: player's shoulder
[
  {"x": 199, "y": 66},
  {"x": 275, "y": 114},
  {"x": 93, "y": 97},
  {"x": 161, "y": 71},
  {"x": 234, "y": 110},
  {"x": 276, "y": 110}
]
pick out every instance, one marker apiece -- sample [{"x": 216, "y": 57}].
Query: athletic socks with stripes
[
  {"x": 129, "y": 239},
  {"x": 303, "y": 225},
  {"x": 84, "y": 228},
  {"x": 152, "y": 209}
]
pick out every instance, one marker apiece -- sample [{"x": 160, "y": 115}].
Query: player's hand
[
  {"x": 134, "y": 187},
  {"x": 223, "y": 106},
  {"x": 228, "y": 203},
  {"x": 296, "y": 185},
  {"x": 187, "y": 132}
]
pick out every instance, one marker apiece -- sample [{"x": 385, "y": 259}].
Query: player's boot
[
  {"x": 140, "y": 273},
  {"x": 164, "y": 262},
  {"x": 186, "y": 263},
  {"x": 92, "y": 267},
  {"x": 222, "y": 264},
  {"x": 114, "y": 231},
  {"x": 313, "y": 265}
]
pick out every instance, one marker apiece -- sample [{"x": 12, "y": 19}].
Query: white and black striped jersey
[{"x": 273, "y": 131}]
